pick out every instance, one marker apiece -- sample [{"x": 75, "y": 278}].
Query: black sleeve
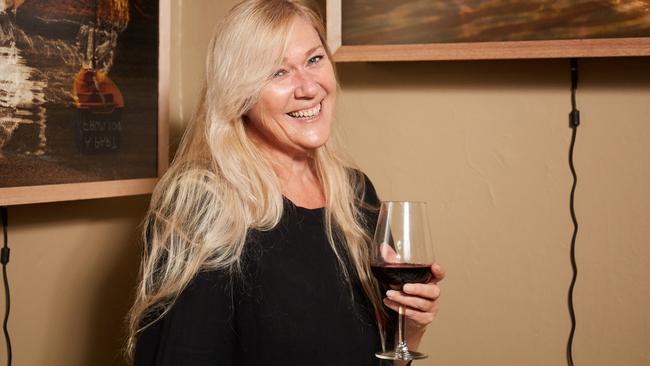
[
  {"x": 197, "y": 331},
  {"x": 370, "y": 194},
  {"x": 371, "y": 207}
]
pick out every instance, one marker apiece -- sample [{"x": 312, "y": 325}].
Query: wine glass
[{"x": 402, "y": 253}]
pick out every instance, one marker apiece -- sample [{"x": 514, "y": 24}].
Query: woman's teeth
[{"x": 306, "y": 113}]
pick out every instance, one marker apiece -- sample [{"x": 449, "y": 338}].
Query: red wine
[{"x": 401, "y": 273}]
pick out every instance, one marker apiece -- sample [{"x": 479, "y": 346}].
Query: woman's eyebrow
[{"x": 311, "y": 50}]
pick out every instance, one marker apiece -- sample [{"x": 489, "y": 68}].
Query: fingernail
[
  {"x": 407, "y": 287},
  {"x": 391, "y": 293}
]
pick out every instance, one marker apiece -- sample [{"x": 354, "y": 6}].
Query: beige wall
[
  {"x": 485, "y": 143},
  {"x": 71, "y": 272}
]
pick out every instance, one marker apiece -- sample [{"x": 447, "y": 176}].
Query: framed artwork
[
  {"x": 388, "y": 30},
  {"x": 83, "y": 98}
]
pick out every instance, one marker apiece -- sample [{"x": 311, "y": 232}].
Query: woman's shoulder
[{"x": 364, "y": 189}]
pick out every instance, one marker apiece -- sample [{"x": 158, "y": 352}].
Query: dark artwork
[
  {"x": 78, "y": 91},
  {"x": 426, "y": 21}
]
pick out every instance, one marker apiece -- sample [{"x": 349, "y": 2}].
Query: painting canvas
[
  {"x": 425, "y": 21},
  {"x": 454, "y": 24},
  {"x": 78, "y": 91}
]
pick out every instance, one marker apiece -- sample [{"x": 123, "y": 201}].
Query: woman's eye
[
  {"x": 279, "y": 73},
  {"x": 315, "y": 59}
]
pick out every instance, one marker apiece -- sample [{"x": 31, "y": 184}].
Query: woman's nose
[{"x": 306, "y": 86}]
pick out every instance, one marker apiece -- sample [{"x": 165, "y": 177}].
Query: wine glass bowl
[{"x": 402, "y": 253}]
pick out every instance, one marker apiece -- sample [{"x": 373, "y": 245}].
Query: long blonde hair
[{"x": 220, "y": 185}]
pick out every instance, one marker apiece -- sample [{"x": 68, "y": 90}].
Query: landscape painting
[
  {"x": 367, "y": 22},
  {"x": 78, "y": 91},
  {"x": 410, "y": 30}
]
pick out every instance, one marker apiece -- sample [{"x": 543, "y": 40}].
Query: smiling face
[{"x": 293, "y": 114}]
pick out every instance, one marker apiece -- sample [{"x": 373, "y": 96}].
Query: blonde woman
[{"x": 256, "y": 248}]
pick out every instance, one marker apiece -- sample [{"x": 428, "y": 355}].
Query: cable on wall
[
  {"x": 574, "y": 122},
  {"x": 4, "y": 258}
]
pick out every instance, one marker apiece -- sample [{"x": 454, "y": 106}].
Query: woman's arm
[{"x": 197, "y": 330}]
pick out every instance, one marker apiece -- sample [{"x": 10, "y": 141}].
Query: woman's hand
[{"x": 420, "y": 301}]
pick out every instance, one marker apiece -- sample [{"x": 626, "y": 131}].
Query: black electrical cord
[
  {"x": 4, "y": 258},
  {"x": 574, "y": 122}
]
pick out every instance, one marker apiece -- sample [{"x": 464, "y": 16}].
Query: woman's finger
[
  {"x": 438, "y": 273},
  {"x": 415, "y": 302},
  {"x": 427, "y": 290},
  {"x": 421, "y": 318}
]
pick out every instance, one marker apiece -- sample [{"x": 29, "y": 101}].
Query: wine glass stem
[{"x": 401, "y": 348}]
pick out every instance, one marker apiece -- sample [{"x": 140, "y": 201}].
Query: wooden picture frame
[
  {"x": 524, "y": 49},
  {"x": 159, "y": 145}
]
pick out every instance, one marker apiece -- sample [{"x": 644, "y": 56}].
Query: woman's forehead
[{"x": 303, "y": 40}]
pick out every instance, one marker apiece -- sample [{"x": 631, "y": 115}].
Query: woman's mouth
[{"x": 306, "y": 113}]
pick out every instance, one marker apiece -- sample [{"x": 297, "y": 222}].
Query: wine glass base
[{"x": 404, "y": 356}]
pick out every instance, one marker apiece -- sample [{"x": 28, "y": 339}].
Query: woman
[{"x": 256, "y": 251}]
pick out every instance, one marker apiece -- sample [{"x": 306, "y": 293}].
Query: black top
[{"x": 292, "y": 306}]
